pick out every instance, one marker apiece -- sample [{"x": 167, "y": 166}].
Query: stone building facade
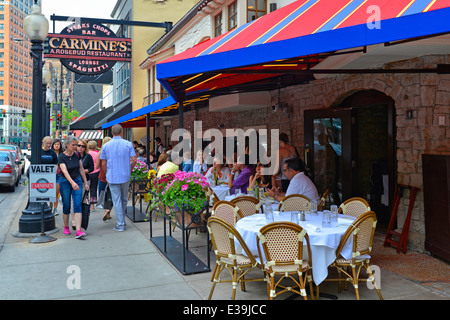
[{"x": 421, "y": 112}]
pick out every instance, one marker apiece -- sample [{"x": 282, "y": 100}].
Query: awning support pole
[
  {"x": 180, "y": 125},
  {"x": 148, "y": 138}
]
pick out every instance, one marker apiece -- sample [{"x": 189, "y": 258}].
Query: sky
[{"x": 78, "y": 8}]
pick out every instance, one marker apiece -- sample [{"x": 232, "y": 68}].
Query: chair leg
[
  {"x": 234, "y": 283},
  {"x": 216, "y": 273},
  {"x": 355, "y": 282},
  {"x": 374, "y": 282}
]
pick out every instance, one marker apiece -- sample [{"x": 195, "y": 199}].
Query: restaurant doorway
[{"x": 349, "y": 150}]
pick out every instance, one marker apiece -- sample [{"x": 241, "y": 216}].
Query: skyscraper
[{"x": 16, "y": 69}]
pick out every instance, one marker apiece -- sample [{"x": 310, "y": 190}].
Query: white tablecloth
[
  {"x": 221, "y": 191},
  {"x": 323, "y": 241}
]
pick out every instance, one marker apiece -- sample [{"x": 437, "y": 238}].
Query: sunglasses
[{"x": 81, "y": 146}]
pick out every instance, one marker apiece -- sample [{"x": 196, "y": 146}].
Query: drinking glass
[
  {"x": 236, "y": 192},
  {"x": 313, "y": 207},
  {"x": 269, "y": 213},
  {"x": 326, "y": 219},
  {"x": 334, "y": 214},
  {"x": 294, "y": 216}
]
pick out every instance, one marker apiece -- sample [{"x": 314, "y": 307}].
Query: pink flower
[{"x": 184, "y": 187}]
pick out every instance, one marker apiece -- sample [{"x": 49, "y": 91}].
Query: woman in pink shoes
[{"x": 71, "y": 184}]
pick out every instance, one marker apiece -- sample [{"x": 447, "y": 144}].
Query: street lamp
[{"x": 36, "y": 28}]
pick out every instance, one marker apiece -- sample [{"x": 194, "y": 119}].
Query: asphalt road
[{"x": 10, "y": 205}]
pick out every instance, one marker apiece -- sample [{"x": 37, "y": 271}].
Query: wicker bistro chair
[
  {"x": 323, "y": 201},
  {"x": 248, "y": 205},
  {"x": 213, "y": 196},
  {"x": 362, "y": 230},
  {"x": 223, "y": 237},
  {"x": 294, "y": 202},
  {"x": 355, "y": 207},
  {"x": 282, "y": 243},
  {"x": 227, "y": 211}
]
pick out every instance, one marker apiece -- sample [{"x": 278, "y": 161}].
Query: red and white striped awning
[{"x": 91, "y": 135}]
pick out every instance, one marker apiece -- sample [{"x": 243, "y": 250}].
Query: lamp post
[
  {"x": 46, "y": 77},
  {"x": 36, "y": 28}
]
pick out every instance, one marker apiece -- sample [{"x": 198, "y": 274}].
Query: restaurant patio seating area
[{"x": 257, "y": 290}]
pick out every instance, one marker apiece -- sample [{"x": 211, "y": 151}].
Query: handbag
[
  {"x": 108, "y": 203},
  {"x": 85, "y": 209}
]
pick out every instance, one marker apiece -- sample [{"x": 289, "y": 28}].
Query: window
[
  {"x": 218, "y": 25},
  {"x": 232, "y": 16},
  {"x": 255, "y": 9}
]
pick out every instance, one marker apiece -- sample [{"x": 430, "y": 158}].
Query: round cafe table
[
  {"x": 221, "y": 191},
  {"x": 323, "y": 241}
]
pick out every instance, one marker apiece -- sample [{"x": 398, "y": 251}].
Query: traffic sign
[{"x": 42, "y": 183}]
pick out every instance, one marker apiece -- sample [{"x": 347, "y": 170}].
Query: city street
[{"x": 10, "y": 204}]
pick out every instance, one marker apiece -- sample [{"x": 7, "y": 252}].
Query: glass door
[{"x": 328, "y": 152}]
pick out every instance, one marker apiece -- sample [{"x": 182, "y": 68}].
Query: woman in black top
[
  {"x": 86, "y": 158},
  {"x": 71, "y": 185}
]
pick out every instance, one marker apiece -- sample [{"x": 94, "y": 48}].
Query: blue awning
[
  {"x": 295, "y": 38},
  {"x": 155, "y": 109}
]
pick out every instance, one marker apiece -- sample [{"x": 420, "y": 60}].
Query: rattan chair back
[
  {"x": 227, "y": 211},
  {"x": 354, "y": 207},
  {"x": 248, "y": 205},
  {"x": 295, "y": 202}
]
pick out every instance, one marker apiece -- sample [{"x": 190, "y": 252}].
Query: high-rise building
[{"x": 16, "y": 69}]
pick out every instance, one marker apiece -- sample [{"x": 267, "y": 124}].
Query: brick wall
[{"x": 426, "y": 96}]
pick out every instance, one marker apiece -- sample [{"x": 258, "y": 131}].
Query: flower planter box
[
  {"x": 178, "y": 253},
  {"x": 138, "y": 189}
]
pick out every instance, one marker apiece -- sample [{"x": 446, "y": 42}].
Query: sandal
[{"x": 106, "y": 216}]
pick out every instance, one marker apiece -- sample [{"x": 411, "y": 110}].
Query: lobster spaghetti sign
[{"x": 88, "y": 48}]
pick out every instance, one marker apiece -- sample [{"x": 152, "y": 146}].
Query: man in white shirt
[{"x": 299, "y": 182}]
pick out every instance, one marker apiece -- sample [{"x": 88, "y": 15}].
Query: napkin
[{"x": 312, "y": 227}]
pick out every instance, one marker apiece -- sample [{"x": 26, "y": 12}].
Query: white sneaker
[{"x": 55, "y": 212}]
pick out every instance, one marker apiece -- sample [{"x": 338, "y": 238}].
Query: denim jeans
[
  {"x": 67, "y": 192},
  {"x": 119, "y": 193}
]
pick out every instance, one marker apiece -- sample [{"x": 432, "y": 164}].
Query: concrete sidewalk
[{"x": 126, "y": 265}]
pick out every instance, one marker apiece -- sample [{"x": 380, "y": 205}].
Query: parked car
[
  {"x": 19, "y": 162},
  {"x": 9, "y": 171},
  {"x": 19, "y": 157}
]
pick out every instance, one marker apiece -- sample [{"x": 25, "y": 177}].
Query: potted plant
[
  {"x": 182, "y": 193},
  {"x": 138, "y": 174}
]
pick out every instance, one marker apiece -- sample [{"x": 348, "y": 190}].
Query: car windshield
[
  {"x": 5, "y": 146},
  {"x": 4, "y": 156},
  {"x": 13, "y": 153}
]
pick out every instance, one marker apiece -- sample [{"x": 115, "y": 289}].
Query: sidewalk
[{"x": 126, "y": 265}]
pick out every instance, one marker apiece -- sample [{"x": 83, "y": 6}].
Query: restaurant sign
[{"x": 88, "y": 48}]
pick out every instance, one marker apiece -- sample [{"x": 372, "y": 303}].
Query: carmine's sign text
[{"x": 88, "y": 49}]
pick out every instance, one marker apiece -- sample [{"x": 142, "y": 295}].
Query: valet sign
[
  {"x": 42, "y": 183},
  {"x": 88, "y": 48}
]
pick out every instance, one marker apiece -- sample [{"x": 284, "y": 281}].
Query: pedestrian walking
[
  {"x": 119, "y": 157},
  {"x": 71, "y": 185},
  {"x": 57, "y": 147},
  {"x": 102, "y": 183},
  {"x": 93, "y": 176}
]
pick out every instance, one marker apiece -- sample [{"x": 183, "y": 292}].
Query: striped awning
[
  {"x": 296, "y": 38},
  {"x": 91, "y": 134}
]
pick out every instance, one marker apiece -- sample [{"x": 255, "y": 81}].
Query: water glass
[
  {"x": 334, "y": 214},
  {"x": 313, "y": 207},
  {"x": 294, "y": 216},
  {"x": 326, "y": 219},
  {"x": 269, "y": 213},
  {"x": 236, "y": 192}
]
